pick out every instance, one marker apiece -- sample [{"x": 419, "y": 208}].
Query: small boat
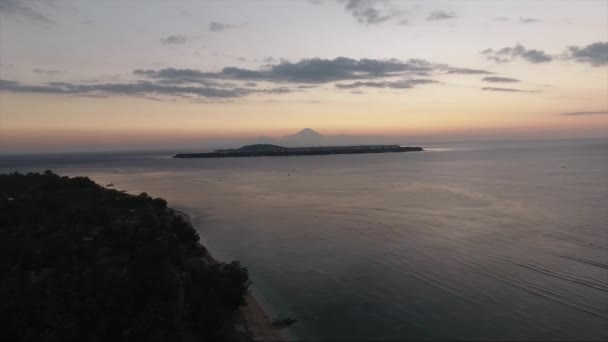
[
  {"x": 110, "y": 184},
  {"x": 283, "y": 322}
]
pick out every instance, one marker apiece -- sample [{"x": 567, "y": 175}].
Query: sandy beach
[{"x": 258, "y": 323}]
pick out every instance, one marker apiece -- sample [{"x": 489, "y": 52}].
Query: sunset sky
[{"x": 94, "y": 75}]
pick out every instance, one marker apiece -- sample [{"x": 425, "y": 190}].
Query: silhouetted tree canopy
[{"x": 84, "y": 263}]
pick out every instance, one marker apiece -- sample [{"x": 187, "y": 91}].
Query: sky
[{"x": 120, "y": 75}]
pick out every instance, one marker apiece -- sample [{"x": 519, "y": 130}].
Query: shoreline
[{"x": 252, "y": 316}]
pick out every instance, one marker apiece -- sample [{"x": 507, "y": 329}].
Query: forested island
[
  {"x": 81, "y": 262},
  {"x": 269, "y": 150}
]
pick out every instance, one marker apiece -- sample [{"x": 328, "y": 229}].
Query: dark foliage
[{"x": 84, "y": 263}]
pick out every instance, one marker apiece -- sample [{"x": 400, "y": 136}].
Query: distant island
[
  {"x": 81, "y": 262},
  {"x": 269, "y": 150}
]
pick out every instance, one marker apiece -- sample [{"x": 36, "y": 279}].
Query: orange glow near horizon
[{"x": 58, "y": 120}]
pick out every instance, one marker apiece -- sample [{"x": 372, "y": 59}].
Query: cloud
[
  {"x": 467, "y": 71},
  {"x": 139, "y": 88},
  {"x": 440, "y": 15},
  {"x": 312, "y": 71},
  {"x": 46, "y": 71},
  {"x": 17, "y": 8},
  {"x": 13, "y": 86},
  {"x": 402, "y": 84},
  {"x": 595, "y": 54},
  {"x": 511, "y": 90},
  {"x": 277, "y": 90},
  {"x": 366, "y": 13},
  {"x": 178, "y": 39},
  {"x": 603, "y": 112},
  {"x": 529, "y": 20},
  {"x": 232, "y": 82},
  {"x": 501, "y": 19},
  {"x": 496, "y": 79},
  {"x": 218, "y": 27},
  {"x": 508, "y": 54}
]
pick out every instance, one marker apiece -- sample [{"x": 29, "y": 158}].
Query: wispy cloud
[
  {"x": 19, "y": 9},
  {"x": 178, "y": 39},
  {"x": 46, "y": 71},
  {"x": 595, "y": 54},
  {"x": 509, "y": 90},
  {"x": 467, "y": 71},
  {"x": 402, "y": 84},
  {"x": 440, "y": 15},
  {"x": 219, "y": 27},
  {"x": 369, "y": 12},
  {"x": 508, "y": 54},
  {"x": 529, "y": 20},
  {"x": 496, "y": 79},
  {"x": 141, "y": 88},
  {"x": 601, "y": 112}
]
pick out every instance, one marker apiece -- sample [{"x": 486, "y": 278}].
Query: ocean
[{"x": 490, "y": 241}]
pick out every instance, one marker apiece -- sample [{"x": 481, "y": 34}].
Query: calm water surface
[{"x": 501, "y": 241}]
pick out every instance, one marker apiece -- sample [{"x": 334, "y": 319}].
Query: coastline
[{"x": 252, "y": 317}]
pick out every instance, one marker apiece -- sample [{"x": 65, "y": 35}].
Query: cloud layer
[
  {"x": 286, "y": 77},
  {"x": 313, "y": 71},
  {"x": 141, "y": 88},
  {"x": 231, "y": 82}
]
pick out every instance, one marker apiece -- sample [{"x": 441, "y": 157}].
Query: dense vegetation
[{"x": 81, "y": 262}]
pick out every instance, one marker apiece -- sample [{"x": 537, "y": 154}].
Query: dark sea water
[{"x": 464, "y": 241}]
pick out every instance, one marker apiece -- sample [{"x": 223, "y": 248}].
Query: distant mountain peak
[{"x": 308, "y": 132}]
